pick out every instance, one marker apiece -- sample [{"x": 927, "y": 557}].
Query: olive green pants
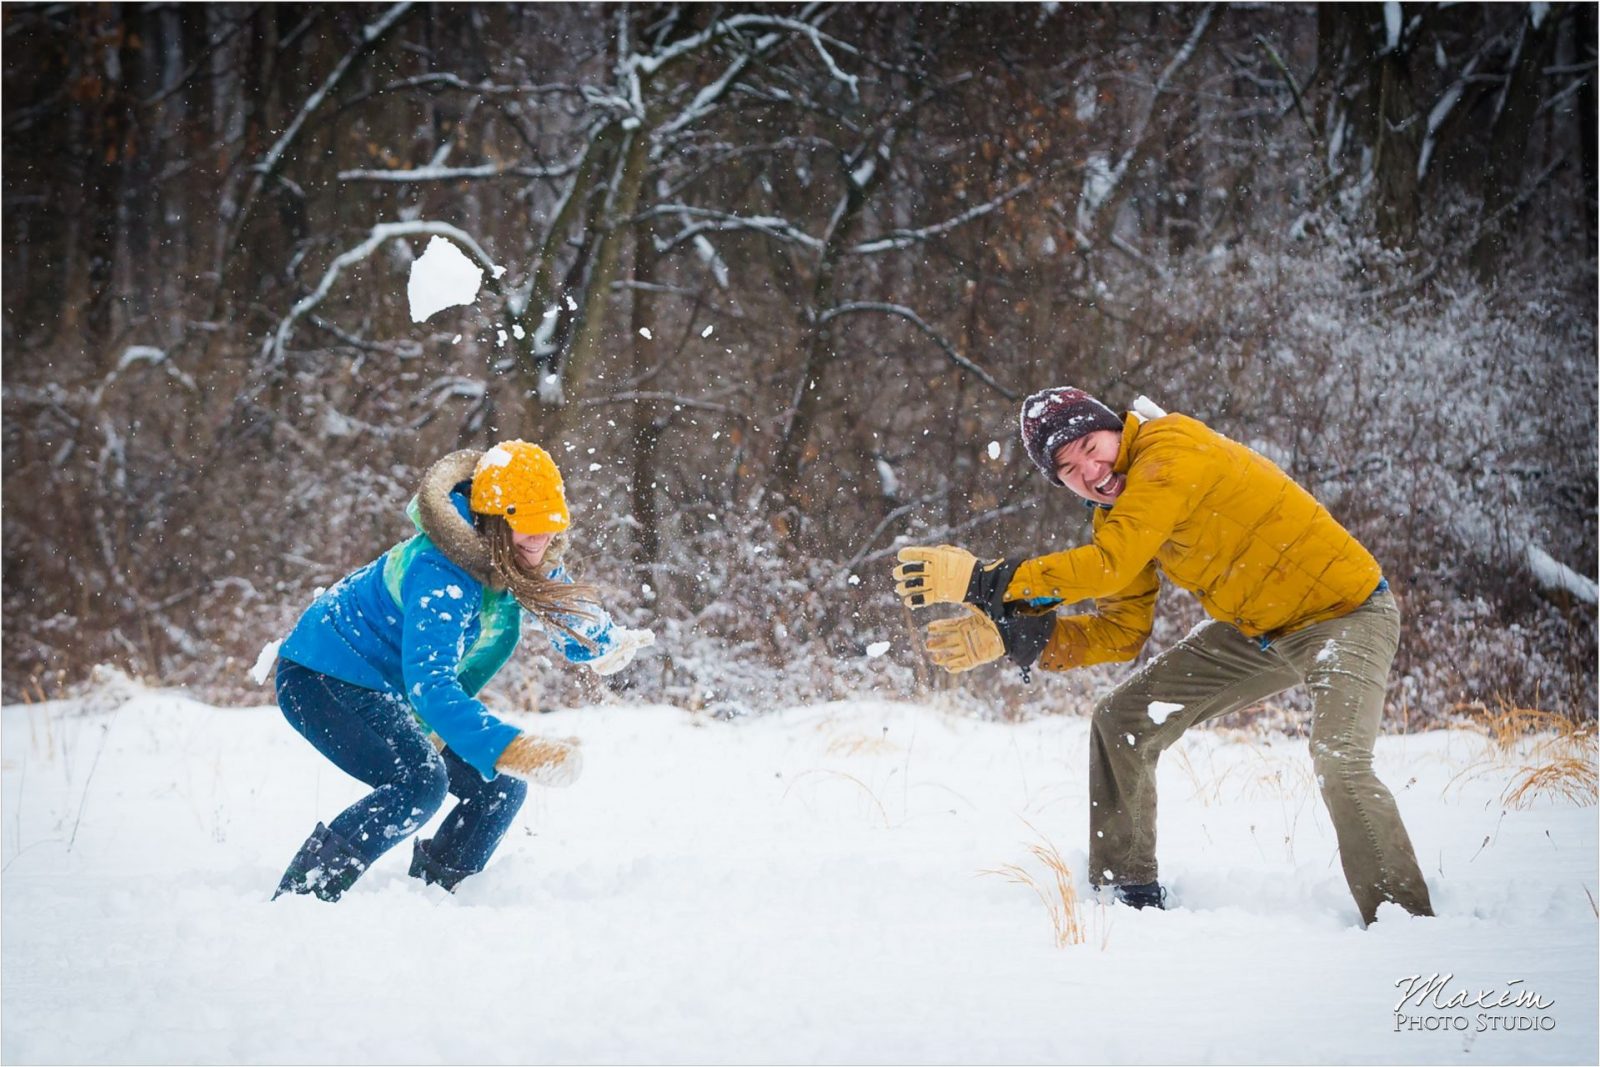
[{"x": 1344, "y": 662}]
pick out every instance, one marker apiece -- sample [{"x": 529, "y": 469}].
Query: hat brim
[{"x": 538, "y": 522}]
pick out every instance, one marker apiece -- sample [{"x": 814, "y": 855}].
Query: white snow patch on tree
[
  {"x": 887, "y": 479},
  {"x": 1098, "y": 179},
  {"x": 441, "y": 277},
  {"x": 1086, "y": 101}
]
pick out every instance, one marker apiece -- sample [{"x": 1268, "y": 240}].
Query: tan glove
[
  {"x": 933, "y": 575},
  {"x": 541, "y": 761},
  {"x": 964, "y": 642}
]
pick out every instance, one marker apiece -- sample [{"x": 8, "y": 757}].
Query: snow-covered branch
[
  {"x": 722, "y": 222},
  {"x": 649, "y": 64},
  {"x": 379, "y": 234},
  {"x": 903, "y": 238},
  {"x": 450, "y": 174}
]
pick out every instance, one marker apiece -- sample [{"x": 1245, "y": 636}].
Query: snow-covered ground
[{"x": 803, "y": 886}]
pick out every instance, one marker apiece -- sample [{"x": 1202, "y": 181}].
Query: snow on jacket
[
  {"x": 1219, "y": 520},
  {"x": 414, "y": 623}
]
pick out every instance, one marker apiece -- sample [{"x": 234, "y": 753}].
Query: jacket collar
[{"x": 1130, "y": 430}]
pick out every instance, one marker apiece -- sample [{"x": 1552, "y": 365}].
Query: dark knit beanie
[{"x": 1053, "y": 417}]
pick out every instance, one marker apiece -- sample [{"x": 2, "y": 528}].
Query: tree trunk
[
  {"x": 108, "y": 148},
  {"x": 1588, "y": 117},
  {"x": 1508, "y": 146},
  {"x": 649, "y": 418},
  {"x": 784, "y": 473}
]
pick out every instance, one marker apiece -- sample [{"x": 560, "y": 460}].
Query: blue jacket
[{"x": 415, "y": 624}]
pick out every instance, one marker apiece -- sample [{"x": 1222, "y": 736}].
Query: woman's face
[{"x": 531, "y": 547}]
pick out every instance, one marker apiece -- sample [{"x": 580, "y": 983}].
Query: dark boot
[
  {"x": 325, "y": 867},
  {"x": 1148, "y": 895},
  {"x": 426, "y": 866}
]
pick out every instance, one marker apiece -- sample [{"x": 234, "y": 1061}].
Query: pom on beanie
[
  {"x": 521, "y": 482},
  {"x": 1054, "y": 417}
]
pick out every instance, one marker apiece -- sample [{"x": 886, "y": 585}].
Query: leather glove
[
  {"x": 936, "y": 575},
  {"x": 945, "y": 574},
  {"x": 541, "y": 761},
  {"x": 974, "y": 639},
  {"x": 964, "y": 642},
  {"x": 628, "y": 643}
]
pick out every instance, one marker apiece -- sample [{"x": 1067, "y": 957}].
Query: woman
[{"x": 395, "y": 652}]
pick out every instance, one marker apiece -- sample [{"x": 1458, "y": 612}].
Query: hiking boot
[
  {"x": 426, "y": 866},
  {"x": 1148, "y": 895},
  {"x": 325, "y": 867}
]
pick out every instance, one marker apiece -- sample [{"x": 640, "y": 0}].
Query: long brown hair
[{"x": 545, "y": 597}]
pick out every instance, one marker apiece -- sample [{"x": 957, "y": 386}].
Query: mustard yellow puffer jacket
[{"x": 1222, "y": 522}]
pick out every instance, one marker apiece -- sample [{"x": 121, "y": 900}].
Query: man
[{"x": 1293, "y": 598}]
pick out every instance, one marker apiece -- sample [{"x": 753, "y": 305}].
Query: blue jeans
[{"x": 373, "y": 736}]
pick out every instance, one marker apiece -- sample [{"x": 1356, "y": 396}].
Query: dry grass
[
  {"x": 1056, "y": 890},
  {"x": 44, "y": 686},
  {"x": 841, "y": 775},
  {"x": 1548, "y": 755},
  {"x": 861, "y": 745}
]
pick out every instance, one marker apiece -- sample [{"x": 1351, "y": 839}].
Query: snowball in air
[
  {"x": 876, "y": 649},
  {"x": 994, "y": 449},
  {"x": 441, "y": 277}
]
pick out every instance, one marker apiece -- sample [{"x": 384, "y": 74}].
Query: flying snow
[
  {"x": 263, "y": 667},
  {"x": 441, "y": 277},
  {"x": 876, "y": 649}
]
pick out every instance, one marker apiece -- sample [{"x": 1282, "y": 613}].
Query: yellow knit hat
[{"x": 520, "y": 481}]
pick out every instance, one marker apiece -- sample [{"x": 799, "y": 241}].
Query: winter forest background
[{"x": 776, "y": 278}]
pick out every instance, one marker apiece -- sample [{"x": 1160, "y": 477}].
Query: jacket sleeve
[
  {"x": 1116, "y": 632},
  {"x": 1164, "y": 485},
  {"x": 440, "y": 602},
  {"x": 595, "y": 625}
]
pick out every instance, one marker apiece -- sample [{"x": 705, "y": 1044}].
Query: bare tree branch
[{"x": 916, "y": 320}]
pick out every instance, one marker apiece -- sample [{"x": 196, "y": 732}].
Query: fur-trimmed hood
[{"x": 450, "y": 531}]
